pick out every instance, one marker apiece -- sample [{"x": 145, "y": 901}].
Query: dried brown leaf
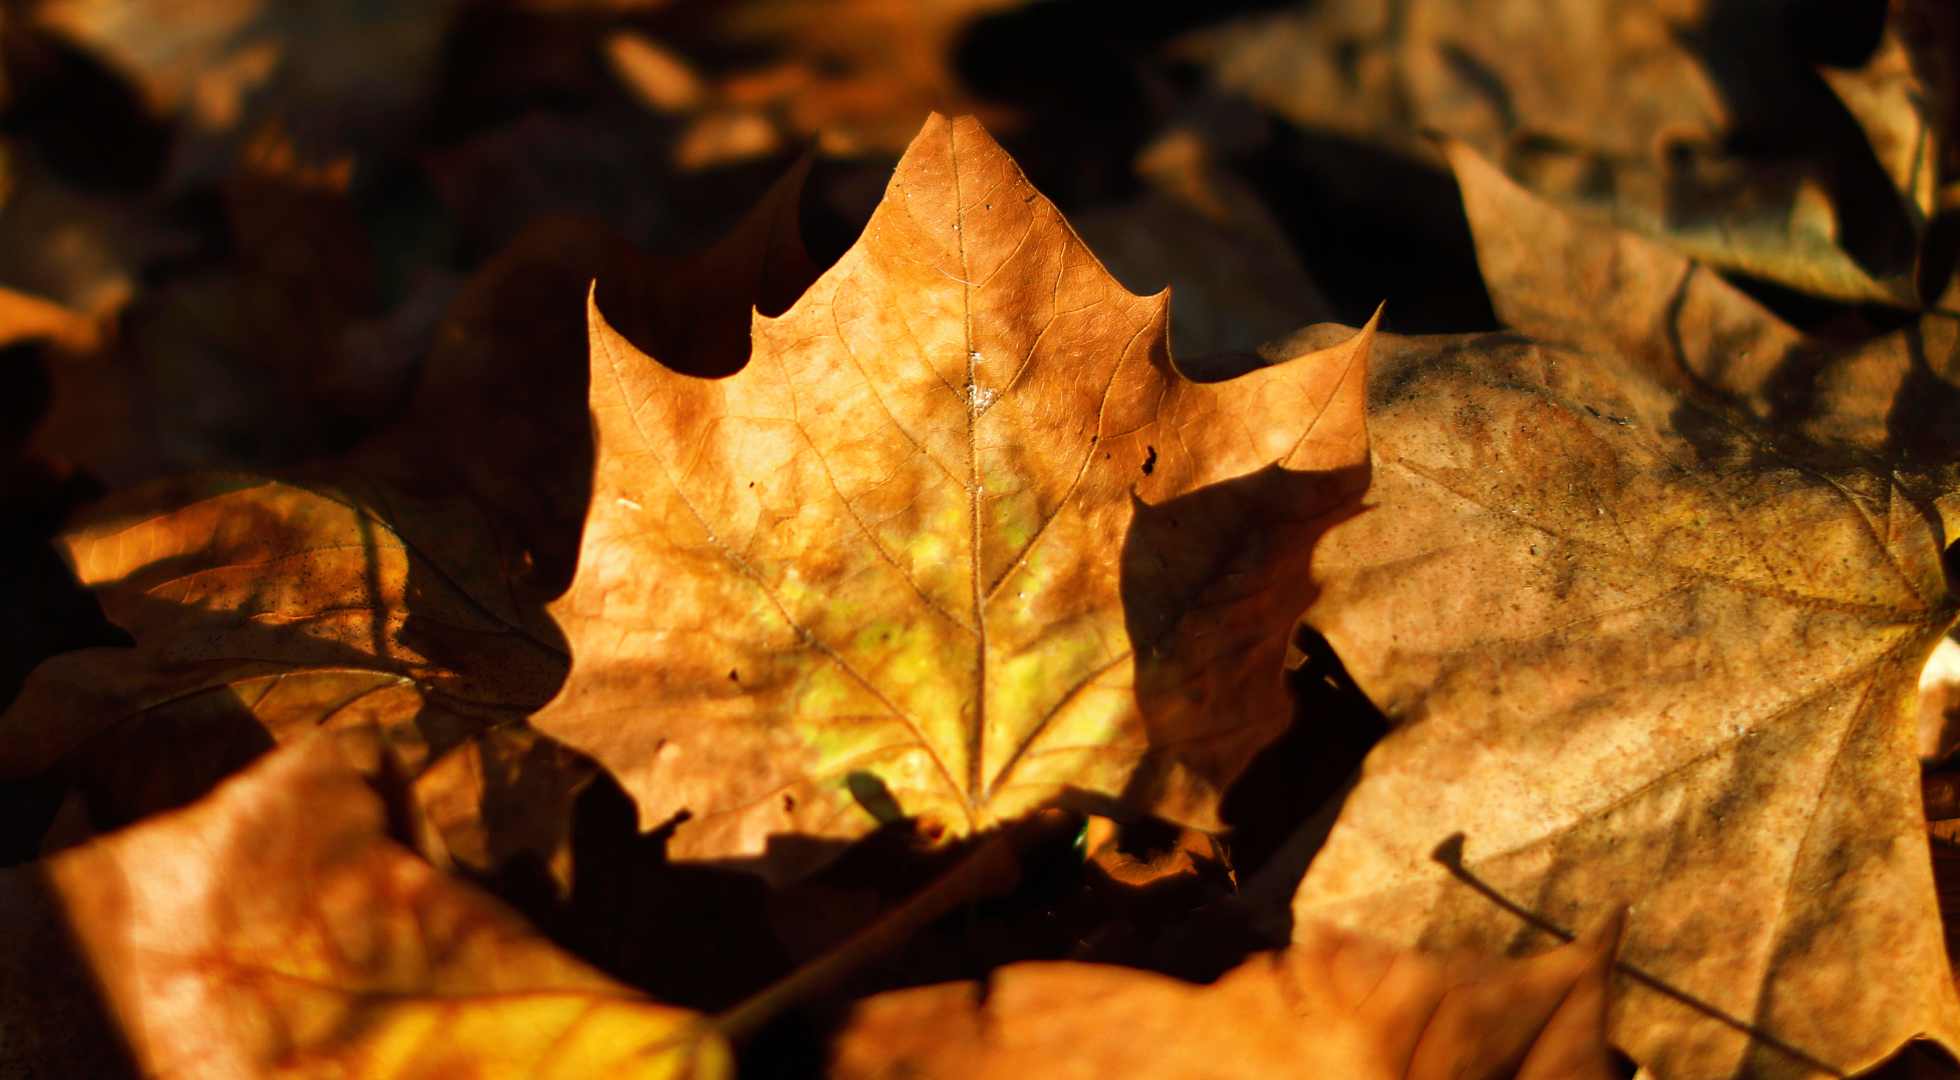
[
  {"x": 1333, "y": 1004},
  {"x": 274, "y": 929},
  {"x": 1643, "y": 649},
  {"x": 262, "y": 611},
  {"x": 958, "y": 542},
  {"x": 406, "y": 595},
  {"x": 1700, "y": 124}
]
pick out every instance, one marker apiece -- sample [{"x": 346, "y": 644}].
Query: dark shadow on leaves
[
  {"x": 1916, "y": 430},
  {"x": 1921, "y": 425},
  {"x": 1371, "y": 225},
  {"x": 1783, "y": 111},
  {"x": 56, "y": 1021},
  {"x": 49, "y": 611},
  {"x": 1305, "y": 776},
  {"x": 88, "y": 123},
  {"x": 688, "y": 934},
  {"x": 165, "y": 758},
  {"x": 1212, "y": 582}
]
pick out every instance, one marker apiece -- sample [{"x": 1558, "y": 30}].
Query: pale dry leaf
[{"x": 1642, "y": 649}]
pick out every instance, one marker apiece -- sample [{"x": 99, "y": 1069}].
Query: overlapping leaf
[
  {"x": 261, "y": 611},
  {"x": 1641, "y": 649},
  {"x": 958, "y": 542},
  {"x": 403, "y": 588},
  {"x": 274, "y": 929},
  {"x": 1333, "y": 1004},
  {"x": 1704, "y": 125}
]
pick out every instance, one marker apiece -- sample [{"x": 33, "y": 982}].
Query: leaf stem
[{"x": 994, "y": 867}]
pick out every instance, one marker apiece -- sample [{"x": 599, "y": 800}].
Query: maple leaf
[
  {"x": 274, "y": 929},
  {"x": 1641, "y": 651},
  {"x": 1882, "y": 401},
  {"x": 1332, "y": 1004},
  {"x": 957, "y": 542}
]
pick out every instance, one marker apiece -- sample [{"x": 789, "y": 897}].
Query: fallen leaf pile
[{"x": 599, "y": 537}]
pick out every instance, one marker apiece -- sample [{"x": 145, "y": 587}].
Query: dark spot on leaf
[
  {"x": 734, "y": 676},
  {"x": 789, "y": 803},
  {"x": 1149, "y": 460}
]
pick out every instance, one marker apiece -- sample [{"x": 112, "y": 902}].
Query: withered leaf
[
  {"x": 1884, "y": 400},
  {"x": 401, "y": 591},
  {"x": 1332, "y": 1004},
  {"x": 274, "y": 929},
  {"x": 959, "y": 541},
  {"x": 263, "y": 610},
  {"x": 1641, "y": 650},
  {"x": 1696, "y": 123}
]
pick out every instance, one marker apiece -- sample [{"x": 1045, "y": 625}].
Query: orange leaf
[
  {"x": 1333, "y": 1004},
  {"x": 959, "y": 536},
  {"x": 273, "y": 929}
]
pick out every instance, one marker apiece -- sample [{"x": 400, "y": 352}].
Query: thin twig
[
  {"x": 992, "y": 868},
  {"x": 1450, "y": 854}
]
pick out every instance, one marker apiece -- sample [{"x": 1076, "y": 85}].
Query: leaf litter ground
[{"x": 1683, "y": 401}]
